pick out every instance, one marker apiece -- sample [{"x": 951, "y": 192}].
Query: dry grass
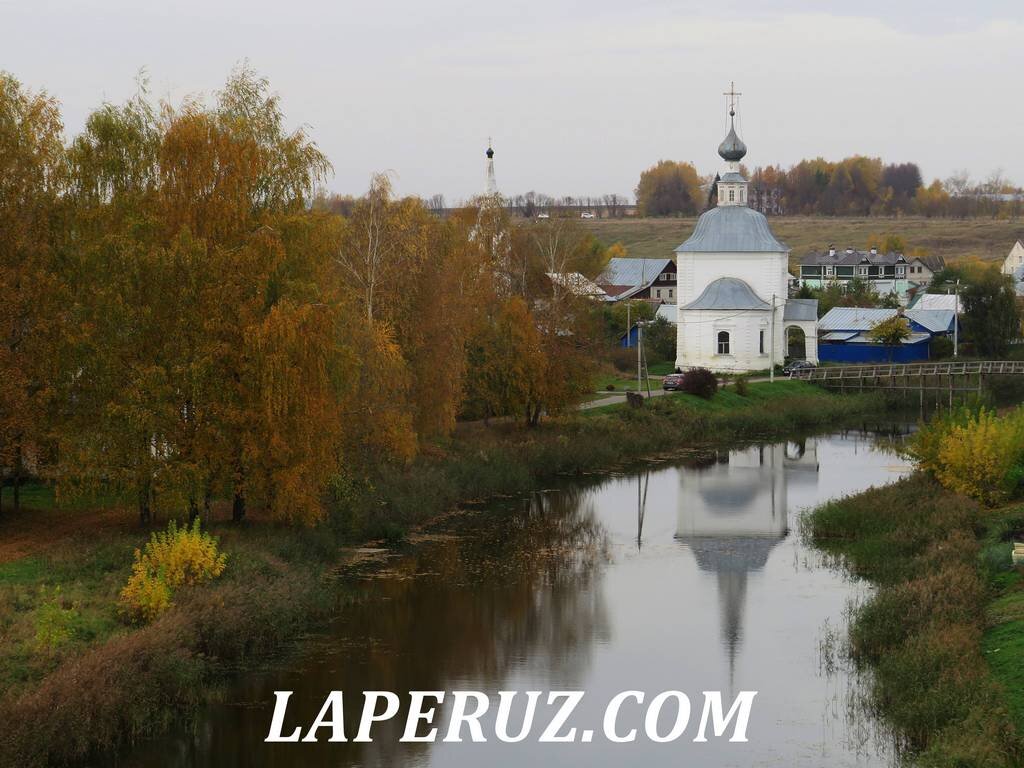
[{"x": 952, "y": 239}]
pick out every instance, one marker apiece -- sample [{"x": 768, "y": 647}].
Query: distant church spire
[
  {"x": 492, "y": 185},
  {"x": 732, "y": 187}
]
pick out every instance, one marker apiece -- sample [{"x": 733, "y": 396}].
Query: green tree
[
  {"x": 660, "y": 340},
  {"x": 990, "y": 317}
]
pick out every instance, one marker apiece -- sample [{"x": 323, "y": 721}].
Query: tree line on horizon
[
  {"x": 855, "y": 186},
  {"x": 181, "y": 324}
]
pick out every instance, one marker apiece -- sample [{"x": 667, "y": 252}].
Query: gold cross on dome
[{"x": 732, "y": 93}]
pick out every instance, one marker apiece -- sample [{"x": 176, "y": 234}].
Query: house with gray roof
[
  {"x": 884, "y": 272},
  {"x": 845, "y": 334},
  {"x": 628, "y": 278}
]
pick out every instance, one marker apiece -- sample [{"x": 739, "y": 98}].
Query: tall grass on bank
[
  {"x": 483, "y": 462},
  {"x": 98, "y": 690},
  {"x": 922, "y": 631}
]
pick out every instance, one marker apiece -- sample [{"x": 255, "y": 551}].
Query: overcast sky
[{"x": 579, "y": 96}]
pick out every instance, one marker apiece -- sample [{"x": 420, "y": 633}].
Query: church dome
[
  {"x": 732, "y": 149},
  {"x": 732, "y": 229}
]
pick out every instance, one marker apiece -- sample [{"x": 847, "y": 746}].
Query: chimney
[
  {"x": 874, "y": 251},
  {"x": 849, "y": 250},
  {"x": 831, "y": 250}
]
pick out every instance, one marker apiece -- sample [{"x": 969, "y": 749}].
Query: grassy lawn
[
  {"x": 951, "y": 238},
  {"x": 1003, "y": 642},
  {"x": 619, "y": 382},
  {"x": 725, "y": 400},
  {"x": 41, "y": 496},
  {"x": 54, "y": 606}
]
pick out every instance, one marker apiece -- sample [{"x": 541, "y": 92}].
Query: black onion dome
[
  {"x": 490, "y": 153},
  {"x": 732, "y": 149}
]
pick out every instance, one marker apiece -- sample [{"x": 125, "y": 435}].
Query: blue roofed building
[{"x": 844, "y": 334}]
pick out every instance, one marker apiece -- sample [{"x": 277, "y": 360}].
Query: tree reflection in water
[{"x": 460, "y": 611}]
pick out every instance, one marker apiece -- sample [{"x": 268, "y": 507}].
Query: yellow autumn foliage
[
  {"x": 173, "y": 558},
  {"x": 977, "y": 455}
]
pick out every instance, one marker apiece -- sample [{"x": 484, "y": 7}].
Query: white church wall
[
  {"x": 765, "y": 273},
  {"x": 697, "y": 339}
]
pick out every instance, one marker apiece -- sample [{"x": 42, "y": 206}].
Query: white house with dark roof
[
  {"x": 733, "y": 284},
  {"x": 626, "y": 278}
]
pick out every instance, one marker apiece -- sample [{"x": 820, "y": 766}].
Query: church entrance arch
[{"x": 796, "y": 343}]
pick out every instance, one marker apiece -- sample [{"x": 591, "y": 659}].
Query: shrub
[
  {"x": 978, "y": 458},
  {"x": 54, "y": 623},
  {"x": 624, "y": 358},
  {"x": 978, "y": 455},
  {"x": 942, "y": 347},
  {"x": 700, "y": 382},
  {"x": 742, "y": 386},
  {"x": 173, "y": 558}
]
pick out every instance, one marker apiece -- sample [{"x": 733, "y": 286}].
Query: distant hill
[{"x": 952, "y": 239}]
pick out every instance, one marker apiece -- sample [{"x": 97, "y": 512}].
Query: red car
[{"x": 672, "y": 382}]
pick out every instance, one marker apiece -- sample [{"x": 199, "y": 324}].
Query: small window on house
[
  {"x": 732, "y": 195},
  {"x": 760, "y": 344},
  {"x": 670, "y": 293},
  {"x": 657, "y": 293},
  {"x": 723, "y": 342}
]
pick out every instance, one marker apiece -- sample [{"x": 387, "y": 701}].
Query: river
[{"x": 689, "y": 574}]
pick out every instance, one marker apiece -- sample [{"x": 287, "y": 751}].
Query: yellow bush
[
  {"x": 978, "y": 457},
  {"x": 173, "y": 558}
]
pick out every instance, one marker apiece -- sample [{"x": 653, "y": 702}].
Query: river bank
[
  {"x": 78, "y": 682},
  {"x": 944, "y": 633}
]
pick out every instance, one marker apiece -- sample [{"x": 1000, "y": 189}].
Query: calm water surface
[{"x": 688, "y": 576}]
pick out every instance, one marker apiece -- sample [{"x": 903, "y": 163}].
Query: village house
[
  {"x": 650, "y": 279},
  {"x": 845, "y": 334},
  {"x": 885, "y": 272},
  {"x": 949, "y": 301},
  {"x": 1013, "y": 265},
  {"x": 1014, "y": 259}
]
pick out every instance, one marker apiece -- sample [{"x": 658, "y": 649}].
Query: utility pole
[
  {"x": 639, "y": 347},
  {"x": 629, "y": 325},
  {"x": 956, "y": 320},
  {"x": 771, "y": 354}
]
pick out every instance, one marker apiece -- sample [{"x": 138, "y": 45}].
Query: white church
[{"x": 734, "y": 313}]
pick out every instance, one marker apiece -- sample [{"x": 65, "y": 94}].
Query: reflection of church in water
[{"x": 733, "y": 512}]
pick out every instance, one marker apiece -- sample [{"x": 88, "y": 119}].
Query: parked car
[
  {"x": 543, "y": 216},
  {"x": 797, "y": 365},
  {"x": 587, "y": 215},
  {"x": 672, "y": 382}
]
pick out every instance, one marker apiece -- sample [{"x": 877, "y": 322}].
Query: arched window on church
[{"x": 723, "y": 342}]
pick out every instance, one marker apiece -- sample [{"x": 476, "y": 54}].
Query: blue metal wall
[
  {"x": 629, "y": 339},
  {"x": 829, "y": 352}
]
